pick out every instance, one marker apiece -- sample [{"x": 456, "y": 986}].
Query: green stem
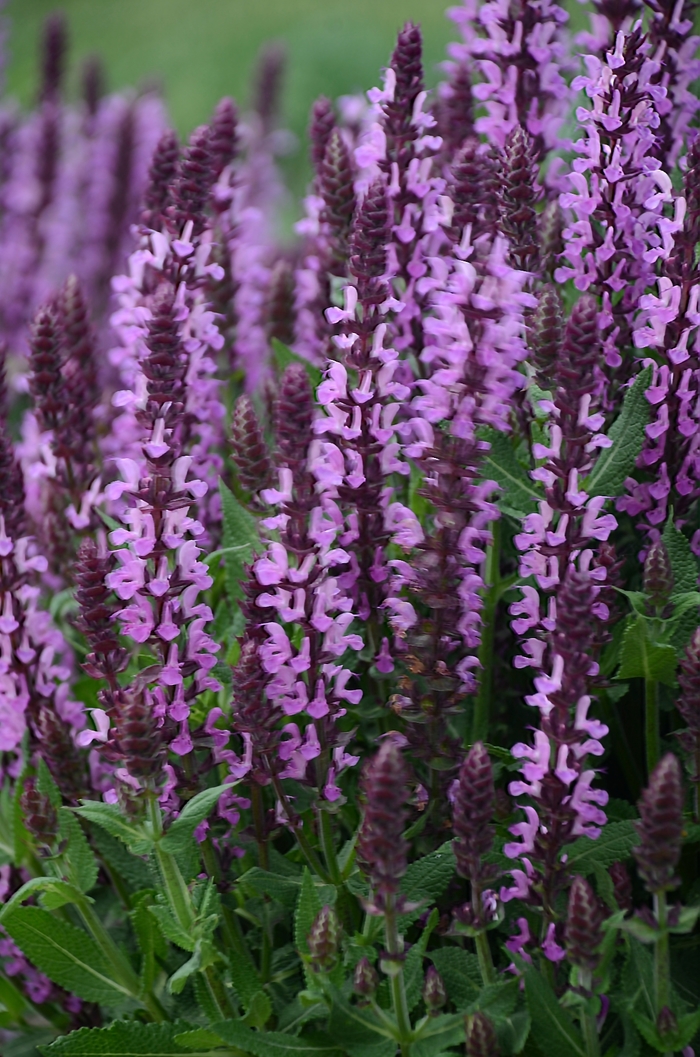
[
  {"x": 394, "y": 947},
  {"x": 310, "y": 855},
  {"x": 259, "y": 823},
  {"x": 124, "y": 973},
  {"x": 662, "y": 957},
  {"x": 588, "y": 1022},
  {"x": 620, "y": 744},
  {"x": 482, "y": 704},
  {"x": 651, "y": 724},
  {"x": 217, "y": 993},
  {"x": 177, "y": 891},
  {"x": 483, "y": 952},
  {"x": 326, "y": 833}
]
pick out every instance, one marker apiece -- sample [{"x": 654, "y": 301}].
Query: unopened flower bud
[
  {"x": 584, "y": 931},
  {"x": 688, "y": 703},
  {"x": 481, "y": 1037},
  {"x": 434, "y": 993},
  {"x": 551, "y": 241},
  {"x": 472, "y": 812},
  {"x": 137, "y": 735},
  {"x": 381, "y": 845},
  {"x": 519, "y": 195},
  {"x": 279, "y": 303},
  {"x": 365, "y": 980},
  {"x": 622, "y": 885},
  {"x": 38, "y": 812},
  {"x": 546, "y": 334},
  {"x": 666, "y": 1023},
  {"x": 324, "y": 940},
  {"x": 248, "y": 448},
  {"x": 658, "y": 576},
  {"x": 293, "y": 415},
  {"x": 660, "y": 826}
]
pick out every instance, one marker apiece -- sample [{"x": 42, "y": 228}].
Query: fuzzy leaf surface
[{"x": 614, "y": 464}]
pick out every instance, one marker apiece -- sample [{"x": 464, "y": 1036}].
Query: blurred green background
[{"x": 202, "y": 49}]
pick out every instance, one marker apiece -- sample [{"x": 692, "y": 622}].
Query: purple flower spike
[
  {"x": 481, "y": 1037},
  {"x": 519, "y": 193},
  {"x": 335, "y": 186},
  {"x": 381, "y": 844},
  {"x": 248, "y": 448},
  {"x": 584, "y": 931},
  {"x": 38, "y": 813},
  {"x": 546, "y": 335},
  {"x": 321, "y": 127},
  {"x": 324, "y": 940},
  {"x": 658, "y": 576},
  {"x": 54, "y": 45},
  {"x": 660, "y": 827},
  {"x": 160, "y": 179},
  {"x": 472, "y": 813}
]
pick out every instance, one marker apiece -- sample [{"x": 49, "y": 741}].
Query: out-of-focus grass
[{"x": 202, "y": 49}]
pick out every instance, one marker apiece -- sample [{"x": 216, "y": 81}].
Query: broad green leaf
[
  {"x": 676, "y": 1041},
  {"x": 498, "y": 1000},
  {"x": 640, "y": 658},
  {"x": 614, "y": 844},
  {"x": 638, "y": 980},
  {"x": 273, "y": 1043},
  {"x": 63, "y": 892},
  {"x": 67, "y": 955},
  {"x": 132, "y": 869},
  {"x": 109, "y": 816},
  {"x": 259, "y": 1010},
  {"x": 358, "y": 1032},
  {"x": 198, "y": 1039},
  {"x": 172, "y": 929},
  {"x": 614, "y": 465},
  {"x": 685, "y": 579},
  {"x": 460, "y": 971},
  {"x": 245, "y": 980},
  {"x": 180, "y": 836},
  {"x": 240, "y": 538},
  {"x": 553, "y": 1029},
  {"x": 440, "y": 1032},
  {"x": 126, "y": 1038},
  {"x": 263, "y": 882},
  {"x": 518, "y": 494},
  {"x": 150, "y": 940},
  {"x": 284, "y": 356},
  {"x": 80, "y": 855},
  {"x": 46, "y": 785},
  {"x": 427, "y": 878}
]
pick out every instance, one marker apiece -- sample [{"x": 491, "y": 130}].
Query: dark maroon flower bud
[
  {"x": 193, "y": 183},
  {"x": 96, "y": 614},
  {"x": 365, "y": 979},
  {"x": 691, "y": 186},
  {"x": 321, "y": 126},
  {"x": 165, "y": 365},
  {"x": 660, "y": 826},
  {"x": 267, "y": 84},
  {"x": 38, "y": 812},
  {"x": 455, "y": 113},
  {"x": 574, "y": 636},
  {"x": 324, "y": 940},
  {"x": 481, "y": 1037},
  {"x": 580, "y": 352},
  {"x": 53, "y": 54},
  {"x": 11, "y": 488},
  {"x": 249, "y": 448},
  {"x": 293, "y": 416},
  {"x": 666, "y": 1023},
  {"x": 120, "y": 205},
  {"x": 370, "y": 235},
  {"x": 60, "y": 755},
  {"x": 160, "y": 179},
  {"x": 279, "y": 305},
  {"x": 407, "y": 64},
  {"x": 223, "y": 140},
  {"x": 137, "y": 739},
  {"x": 584, "y": 925},
  {"x": 551, "y": 226},
  {"x": 688, "y": 704},
  {"x": 92, "y": 83},
  {"x": 520, "y": 193},
  {"x": 335, "y": 186},
  {"x": 622, "y": 885},
  {"x": 434, "y": 993},
  {"x": 473, "y": 190},
  {"x": 658, "y": 576},
  {"x": 46, "y": 383},
  {"x": 472, "y": 812},
  {"x": 381, "y": 844},
  {"x": 78, "y": 343},
  {"x": 546, "y": 335}
]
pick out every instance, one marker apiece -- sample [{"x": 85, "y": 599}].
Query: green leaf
[
  {"x": 150, "y": 940},
  {"x": 62, "y": 892},
  {"x": 440, "y": 1032},
  {"x": 131, "y": 868},
  {"x": 614, "y": 844},
  {"x": 359, "y": 1033},
  {"x": 240, "y": 538},
  {"x": 273, "y": 1043},
  {"x": 124, "y": 1038},
  {"x": 109, "y": 816},
  {"x": 638, "y": 980},
  {"x": 67, "y": 955},
  {"x": 614, "y": 465},
  {"x": 460, "y": 971},
  {"x": 308, "y": 906},
  {"x": 518, "y": 495},
  {"x": 46, "y": 785},
  {"x": 262, "y": 882},
  {"x": 198, "y": 1039},
  {"x": 80, "y": 855},
  {"x": 245, "y": 980},
  {"x": 685, "y": 579},
  {"x": 498, "y": 1000},
  {"x": 427, "y": 878},
  {"x": 259, "y": 1010},
  {"x": 640, "y": 658},
  {"x": 283, "y": 357},
  {"x": 171, "y": 928},
  {"x": 180, "y": 836},
  {"x": 553, "y": 1029}
]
